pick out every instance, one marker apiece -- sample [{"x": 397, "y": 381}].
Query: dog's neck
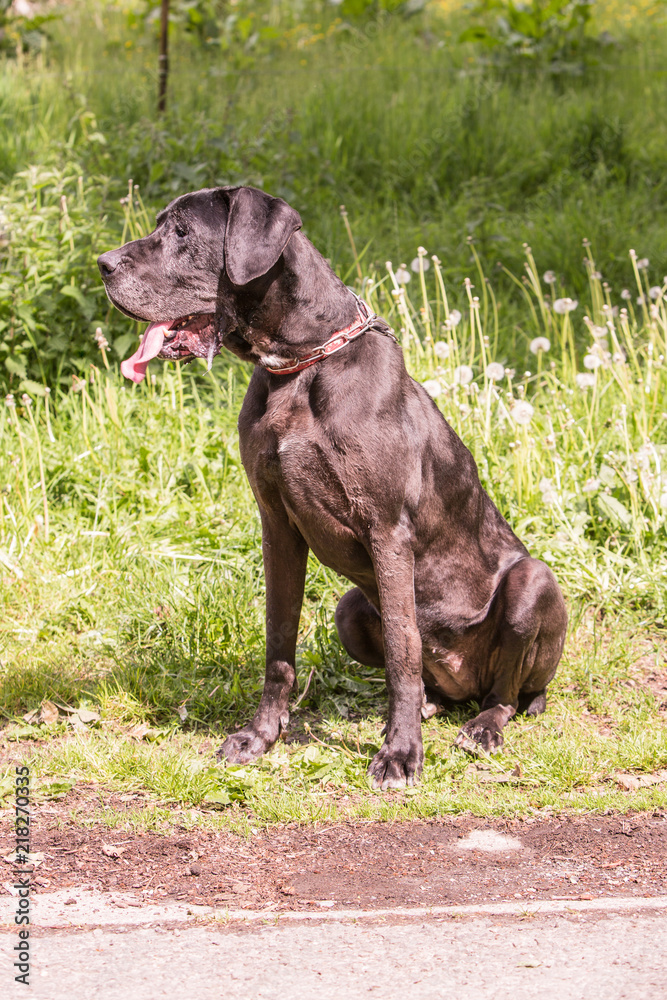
[{"x": 289, "y": 312}]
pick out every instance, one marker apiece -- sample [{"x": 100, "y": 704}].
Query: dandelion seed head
[
  {"x": 463, "y": 375},
  {"x": 432, "y": 387},
  {"x": 495, "y": 372},
  {"x": 591, "y": 485},
  {"x": 549, "y": 278},
  {"x": 549, "y": 492},
  {"x": 403, "y": 275},
  {"x": 9, "y": 400},
  {"x": 539, "y": 344},
  {"x": 522, "y": 412},
  {"x": 455, "y": 318},
  {"x": 626, "y": 294},
  {"x": 420, "y": 262},
  {"x": 655, "y": 291},
  {"x": 592, "y": 361},
  {"x": 441, "y": 349},
  {"x": 562, "y": 306},
  {"x": 585, "y": 380},
  {"x": 642, "y": 263}
]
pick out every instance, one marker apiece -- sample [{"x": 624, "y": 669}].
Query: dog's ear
[{"x": 259, "y": 228}]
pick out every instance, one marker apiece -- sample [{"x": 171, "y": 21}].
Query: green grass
[
  {"x": 130, "y": 567},
  {"x": 422, "y": 138},
  {"x": 132, "y": 578}
]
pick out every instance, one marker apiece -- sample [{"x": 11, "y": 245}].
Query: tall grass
[
  {"x": 131, "y": 573},
  {"x": 419, "y": 136},
  {"x": 126, "y": 521}
]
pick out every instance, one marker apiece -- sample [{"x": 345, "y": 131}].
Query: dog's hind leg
[
  {"x": 532, "y": 702},
  {"x": 360, "y": 629},
  {"x": 527, "y": 643}
]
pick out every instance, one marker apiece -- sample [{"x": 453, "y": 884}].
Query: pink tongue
[{"x": 149, "y": 348}]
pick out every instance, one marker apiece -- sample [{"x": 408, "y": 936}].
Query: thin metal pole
[{"x": 163, "y": 61}]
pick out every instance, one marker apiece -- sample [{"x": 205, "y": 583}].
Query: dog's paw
[
  {"x": 244, "y": 747},
  {"x": 480, "y": 734},
  {"x": 396, "y": 767}
]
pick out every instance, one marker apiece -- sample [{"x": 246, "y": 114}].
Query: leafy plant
[
  {"x": 21, "y": 33},
  {"x": 243, "y": 27},
  {"x": 552, "y": 30},
  {"x": 366, "y": 8},
  {"x": 201, "y": 18},
  {"x": 50, "y": 299}
]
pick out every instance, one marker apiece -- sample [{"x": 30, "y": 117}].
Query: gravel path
[{"x": 572, "y": 956}]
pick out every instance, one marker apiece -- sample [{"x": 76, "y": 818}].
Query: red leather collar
[{"x": 365, "y": 319}]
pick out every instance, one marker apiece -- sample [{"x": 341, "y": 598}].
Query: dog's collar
[{"x": 364, "y": 321}]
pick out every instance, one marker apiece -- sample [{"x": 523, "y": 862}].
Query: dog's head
[{"x": 208, "y": 248}]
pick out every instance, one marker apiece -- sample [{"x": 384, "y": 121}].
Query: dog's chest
[
  {"x": 297, "y": 472},
  {"x": 313, "y": 483}
]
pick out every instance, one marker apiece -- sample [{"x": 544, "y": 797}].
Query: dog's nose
[{"x": 107, "y": 263}]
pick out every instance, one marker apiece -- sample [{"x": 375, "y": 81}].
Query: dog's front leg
[
  {"x": 285, "y": 557},
  {"x": 400, "y": 759}
]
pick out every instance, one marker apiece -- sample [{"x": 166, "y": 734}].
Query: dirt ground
[{"x": 365, "y": 865}]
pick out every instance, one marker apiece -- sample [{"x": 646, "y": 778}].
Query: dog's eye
[{"x": 180, "y": 230}]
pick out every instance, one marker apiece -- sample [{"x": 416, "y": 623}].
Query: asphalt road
[{"x": 585, "y": 955}]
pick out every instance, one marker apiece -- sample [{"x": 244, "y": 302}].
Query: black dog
[{"x": 351, "y": 458}]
